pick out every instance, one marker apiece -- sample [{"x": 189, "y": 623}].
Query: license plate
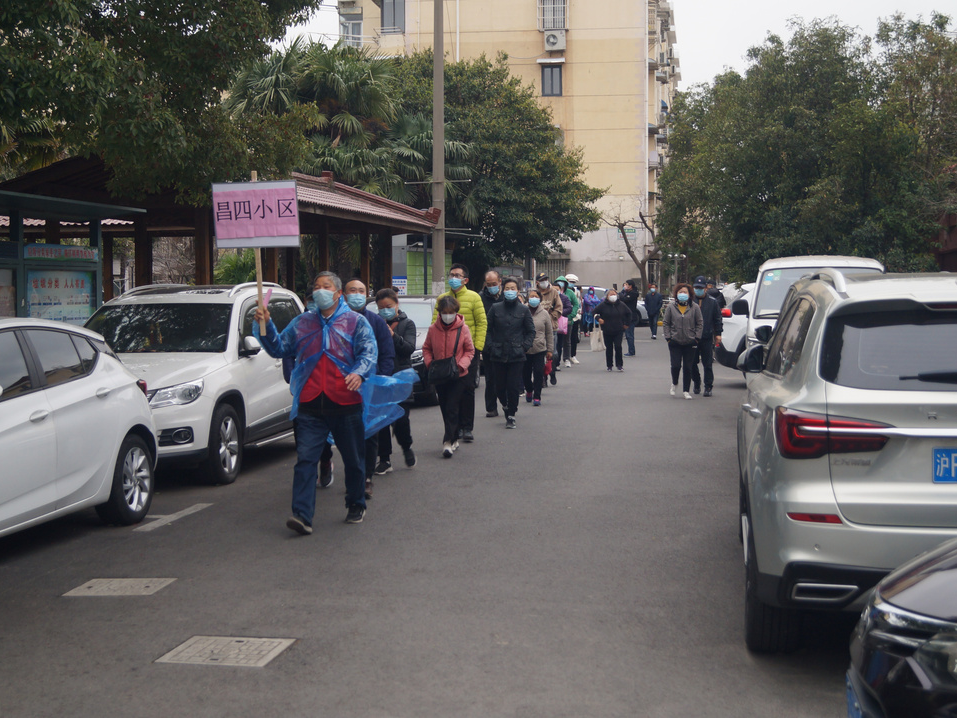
[
  {"x": 945, "y": 466},
  {"x": 854, "y": 709}
]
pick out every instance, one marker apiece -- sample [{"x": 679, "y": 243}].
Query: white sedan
[{"x": 75, "y": 428}]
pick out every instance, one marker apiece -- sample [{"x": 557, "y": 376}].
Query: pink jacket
[{"x": 440, "y": 341}]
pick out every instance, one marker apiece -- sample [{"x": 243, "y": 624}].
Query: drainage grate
[
  {"x": 121, "y": 587},
  {"x": 227, "y": 651}
]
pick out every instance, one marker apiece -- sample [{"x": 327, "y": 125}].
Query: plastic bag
[{"x": 381, "y": 396}]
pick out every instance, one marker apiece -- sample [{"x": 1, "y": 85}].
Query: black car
[{"x": 904, "y": 649}]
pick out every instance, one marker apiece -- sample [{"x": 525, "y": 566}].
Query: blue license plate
[
  {"x": 854, "y": 709},
  {"x": 945, "y": 466}
]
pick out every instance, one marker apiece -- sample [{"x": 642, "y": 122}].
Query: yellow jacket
[{"x": 472, "y": 310}]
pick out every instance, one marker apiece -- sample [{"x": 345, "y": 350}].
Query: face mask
[
  {"x": 323, "y": 298},
  {"x": 455, "y": 283},
  {"x": 698, "y": 292},
  {"x": 652, "y": 290},
  {"x": 534, "y": 301},
  {"x": 613, "y": 298},
  {"x": 543, "y": 285},
  {"x": 494, "y": 290},
  {"x": 683, "y": 298},
  {"x": 388, "y": 313},
  {"x": 356, "y": 301},
  {"x": 448, "y": 318},
  {"x": 511, "y": 295}
]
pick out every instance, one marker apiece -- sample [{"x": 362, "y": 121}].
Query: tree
[{"x": 625, "y": 216}]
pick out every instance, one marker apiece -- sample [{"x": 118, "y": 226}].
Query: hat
[
  {"x": 710, "y": 280},
  {"x": 572, "y": 278},
  {"x": 542, "y": 277},
  {"x": 700, "y": 281}
]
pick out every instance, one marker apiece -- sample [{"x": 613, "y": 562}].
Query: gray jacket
[
  {"x": 543, "y": 331},
  {"x": 682, "y": 328}
]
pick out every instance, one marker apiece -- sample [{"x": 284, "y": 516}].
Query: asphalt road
[{"x": 585, "y": 564}]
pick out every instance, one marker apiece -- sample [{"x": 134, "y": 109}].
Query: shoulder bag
[{"x": 445, "y": 370}]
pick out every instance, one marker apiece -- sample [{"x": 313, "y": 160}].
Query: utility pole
[{"x": 438, "y": 150}]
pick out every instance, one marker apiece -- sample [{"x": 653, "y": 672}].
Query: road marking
[
  {"x": 227, "y": 651},
  {"x": 120, "y": 587},
  {"x": 163, "y": 520}
]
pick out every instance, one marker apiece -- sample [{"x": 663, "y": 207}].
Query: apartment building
[{"x": 608, "y": 71}]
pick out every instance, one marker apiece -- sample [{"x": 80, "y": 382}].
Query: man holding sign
[{"x": 335, "y": 352}]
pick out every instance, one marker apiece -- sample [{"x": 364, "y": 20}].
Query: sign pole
[{"x": 254, "y": 177}]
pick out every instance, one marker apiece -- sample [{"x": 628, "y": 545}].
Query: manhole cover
[
  {"x": 227, "y": 651},
  {"x": 120, "y": 587}
]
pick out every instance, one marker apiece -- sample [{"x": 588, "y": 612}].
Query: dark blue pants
[
  {"x": 653, "y": 323},
  {"x": 704, "y": 354},
  {"x": 312, "y": 435},
  {"x": 630, "y": 334}
]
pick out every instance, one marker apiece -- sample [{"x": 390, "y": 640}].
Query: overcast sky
[{"x": 714, "y": 35}]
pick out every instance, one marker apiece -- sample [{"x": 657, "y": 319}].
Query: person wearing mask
[
  {"x": 570, "y": 311},
  {"x": 473, "y": 312},
  {"x": 716, "y": 294},
  {"x": 491, "y": 294},
  {"x": 589, "y": 302},
  {"x": 613, "y": 319},
  {"x": 335, "y": 352},
  {"x": 449, "y": 336},
  {"x": 561, "y": 338},
  {"x": 551, "y": 301},
  {"x": 682, "y": 326},
  {"x": 540, "y": 352},
  {"x": 629, "y": 297},
  {"x": 403, "y": 338},
  {"x": 511, "y": 333},
  {"x": 710, "y": 335},
  {"x": 653, "y": 303},
  {"x": 575, "y": 328}
]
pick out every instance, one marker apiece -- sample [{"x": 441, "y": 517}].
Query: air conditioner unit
[{"x": 554, "y": 40}]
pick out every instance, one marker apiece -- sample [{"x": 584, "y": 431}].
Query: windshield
[
  {"x": 773, "y": 286},
  {"x": 419, "y": 313},
  {"x": 134, "y": 328},
  {"x": 877, "y": 350}
]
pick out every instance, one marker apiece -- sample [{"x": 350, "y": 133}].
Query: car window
[
  {"x": 59, "y": 360},
  {"x": 786, "y": 345},
  {"x": 419, "y": 312},
  {"x": 14, "y": 377},
  {"x": 157, "y": 327},
  {"x": 87, "y": 353},
  {"x": 282, "y": 310},
  {"x": 773, "y": 286},
  {"x": 892, "y": 350}
]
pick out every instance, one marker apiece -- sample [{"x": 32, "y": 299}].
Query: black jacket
[
  {"x": 617, "y": 316},
  {"x": 653, "y": 302},
  {"x": 630, "y": 298},
  {"x": 403, "y": 337},
  {"x": 488, "y": 300},
  {"x": 716, "y": 294},
  {"x": 711, "y": 316},
  {"x": 510, "y": 333}
]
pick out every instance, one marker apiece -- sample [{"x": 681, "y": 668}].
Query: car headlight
[{"x": 177, "y": 395}]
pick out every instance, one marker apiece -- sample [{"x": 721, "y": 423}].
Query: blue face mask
[
  {"x": 511, "y": 295},
  {"x": 356, "y": 301},
  {"x": 652, "y": 290},
  {"x": 683, "y": 298},
  {"x": 324, "y": 298},
  {"x": 494, "y": 290},
  {"x": 698, "y": 292},
  {"x": 534, "y": 301},
  {"x": 455, "y": 283},
  {"x": 387, "y": 313}
]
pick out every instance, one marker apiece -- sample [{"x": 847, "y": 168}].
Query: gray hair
[{"x": 332, "y": 275}]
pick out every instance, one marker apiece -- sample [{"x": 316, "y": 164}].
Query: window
[
  {"x": 551, "y": 80},
  {"x": 59, "y": 361},
  {"x": 282, "y": 310},
  {"x": 350, "y": 32},
  {"x": 552, "y": 14},
  {"x": 14, "y": 377},
  {"x": 87, "y": 353},
  {"x": 393, "y": 16},
  {"x": 163, "y": 327},
  {"x": 786, "y": 345}
]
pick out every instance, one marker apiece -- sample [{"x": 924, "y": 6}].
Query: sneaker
[
  {"x": 621, "y": 368},
  {"x": 356, "y": 514},
  {"x": 528, "y": 397},
  {"x": 707, "y": 391},
  {"x": 674, "y": 389},
  {"x": 409, "y": 457},
  {"x": 568, "y": 363},
  {"x": 553, "y": 378},
  {"x": 447, "y": 449},
  {"x": 609, "y": 368},
  {"x": 537, "y": 402},
  {"x": 510, "y": 422},
  {"x": 325, "y": 474},
  {"x": 697, "y": 388},
  {"x": 629, "y": 354},
  {"x": 455, "y": 445},
  {"x": 467, "y": 436},
  {"x": 299, "y": 526},
  {"x": 575, "y": 360},
  {"x": 490, "y": 414},
  {"x": 368, "y": 488},
  {"x": 687, "y": 395},
  {"x": 655, "y": 337},
  {"x": 383, "y": 467}
]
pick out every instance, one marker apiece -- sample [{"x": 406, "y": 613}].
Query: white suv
[{"x": 211, "y": 387}]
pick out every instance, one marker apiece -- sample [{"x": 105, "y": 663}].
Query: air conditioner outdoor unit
[{"x": 554, "y": 40}]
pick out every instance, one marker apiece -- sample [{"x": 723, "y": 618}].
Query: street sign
[{"x": 256, "y": 214}]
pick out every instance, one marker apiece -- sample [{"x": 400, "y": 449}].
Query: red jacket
[{"x": 440, "y": 341}]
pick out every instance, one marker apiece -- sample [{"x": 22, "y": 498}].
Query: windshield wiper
[{"x": 944, "y": 377}]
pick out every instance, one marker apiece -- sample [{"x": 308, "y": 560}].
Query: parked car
[
  {"x": 211, "y": 387},
  {"x": 904, "y": 647},
  {"x": 734, "y": 332},
  {"x": 75, "y": 428},
  {"x": 419, "y": 309},
  {"x": 845, "y": 441},
  {"x": 776, "y": 276}
]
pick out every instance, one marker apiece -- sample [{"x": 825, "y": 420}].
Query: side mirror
[
  {"x": 740, "y": 307},
  {"x": 751, "y": 360},
  {"x": 251, "y": 346},
  {"x": 763, "y": 334}
]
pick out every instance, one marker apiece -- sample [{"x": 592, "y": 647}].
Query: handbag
[
  {"x": 445, "y": 370},
  {"x": 548, "y": 367},
  {"x": 563, "y": 325}
]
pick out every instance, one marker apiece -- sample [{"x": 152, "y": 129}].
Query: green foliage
[{"x": 235, "y": 267}]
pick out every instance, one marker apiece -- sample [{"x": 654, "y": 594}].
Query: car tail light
[
  {"x": 725, "y": 312},
  {"x": 803, "y": 435},
  {"x": 815, "y": 518},
  {"x": 142, "y": 385}
]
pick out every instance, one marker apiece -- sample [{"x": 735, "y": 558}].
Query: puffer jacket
[
  {"x": 682, "y": 328},
  {"x": 543, "y": 330},
  {"x": 511, "y": 332},
  {"x": 440, "y": 341},
  {"x": 472, "y": 310}
]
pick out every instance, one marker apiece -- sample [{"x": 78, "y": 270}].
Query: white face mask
[
  {"x": 613, "y": 298},
  {"x": 448, "y": 318},
  {"x": 543, "y": 285}
]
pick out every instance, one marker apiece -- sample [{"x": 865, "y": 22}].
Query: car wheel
[
  {"x": 767, "y": 629},
  {"x": 132, "y": 489},
  {"x": 225, "y": 446}
]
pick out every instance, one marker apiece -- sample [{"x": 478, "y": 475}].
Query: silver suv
[{"x": 847, "y": 444}]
